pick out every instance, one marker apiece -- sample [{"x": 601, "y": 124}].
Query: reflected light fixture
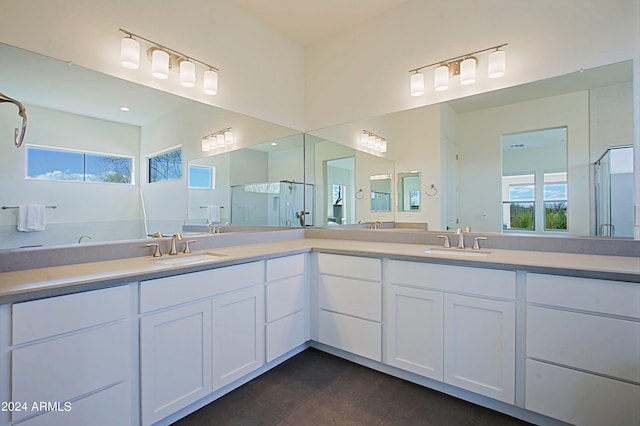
[
  {"x": 163, "y": 59},
  {"x": 373, "y": 142},
  {"x": 464, "y": 65},
  {"x": 217, "y": 140}
]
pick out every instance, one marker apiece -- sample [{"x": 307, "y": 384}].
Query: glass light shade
[
  {"x": 377, "y": 144},
  {"x": 441, "y": 78},
  {"x": 468, "y": 71},
  {"x": 497, "y": 64},
  {"x": 364, "y": 139},
  {"x": 383, "y": 146},
  {"x": 228, "y": 137},
  {"x": 187, "y": 74},
  {"x": 205, "y": 144},
  {"x": 210, "y": 82},
  {"x": 212, "y": 142},
  {"x": 220, "y": 140},
  {"x": 417, "y": 84},
  {"x": 130, "y": 53},
  {"x": 160, "y": 64},
  {"x": 372, "y": 142}
]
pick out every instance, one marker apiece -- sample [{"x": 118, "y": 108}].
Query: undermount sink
[
  {"x": 189, "y": 259},
  {"x": 457, "y": 252}
]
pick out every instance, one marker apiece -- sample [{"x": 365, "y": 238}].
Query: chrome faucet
[
  {"x": 460, "y": 234},
  {"x": 174, "y": 237}
]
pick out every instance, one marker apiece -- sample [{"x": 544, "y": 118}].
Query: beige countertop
[{"x": 53, "y": 281}]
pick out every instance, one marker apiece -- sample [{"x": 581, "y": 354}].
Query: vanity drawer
[
  {"x": 351, "y": 334},
  {"x": 38, "y": 319},
  {"x": 594, "y": 343},
  {"x": 284, "y": 267},
  {"x": 364, "y": 268},
  {"x": 607, "y": 297},
  {"x": 285, "y": 297},
  {"x": 170, "y": 291},
  {"x": 362, "y": 299},
  {"x": 461, "y": 279},
  {"x": 284, "y": 335}
]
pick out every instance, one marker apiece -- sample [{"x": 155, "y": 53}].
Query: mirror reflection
[
  {"x": 458, "y": 147},
  {"x": 380, "y": 192},
  {"x": 131, "y": 187},
  {"x": 409, "y": 191}
]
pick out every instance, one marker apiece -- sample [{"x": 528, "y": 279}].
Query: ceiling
[{"x": 307, "y": 22}]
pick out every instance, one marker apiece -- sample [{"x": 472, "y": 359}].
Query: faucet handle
[
  {"x": 187, "y": 249},
  {"x": 476, "y": 243},
  {"x": 447, "y": 244},
  {"x": 156, "y": 251}
]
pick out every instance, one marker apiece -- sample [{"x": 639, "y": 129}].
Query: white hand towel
[
  {"x": 213, "y": 214},
  {"x": 31, "y": 217}
]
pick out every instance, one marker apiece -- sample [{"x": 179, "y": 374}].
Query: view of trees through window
[
  {"x": 66, "y": 165},
  {"x": 165, "y": 166}
]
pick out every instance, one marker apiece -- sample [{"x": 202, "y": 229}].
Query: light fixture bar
[
  {"x": 455, "y": 58},
  {"x": 175, "y": 52},
  {"x": 217, "y": 139},
  {"x": 373, "y": 142}
]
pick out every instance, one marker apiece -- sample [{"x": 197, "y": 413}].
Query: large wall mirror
[
  {"x": 467, "y": 150},
  {"x": 77, "y": 111}
]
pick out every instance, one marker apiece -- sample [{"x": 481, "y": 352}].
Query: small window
[
  {"x": 555, "y": 201},
  {"x": 201, "y": 177},
  {"x": 66, "y": 165},
  {"x": 165, "y": 166},
  {"x": 518, "y": 202}
]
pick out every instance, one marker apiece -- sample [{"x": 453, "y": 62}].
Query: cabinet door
[
  {"x": 238, "y": 334},
  {"x": 413, "y": 331},
  {"x": 175, "y": 354},
  {"x": 479, "y": 346}
]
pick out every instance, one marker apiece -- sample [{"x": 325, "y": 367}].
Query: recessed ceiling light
[
  {"x": 125, "y": 108},
  {"x": 274, "y": 143}
]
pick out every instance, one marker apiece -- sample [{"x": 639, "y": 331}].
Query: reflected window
[
  {"x": 201, "y": 177},
  {"x": 67, "y": 165},
  {"x": 555, "y": 201},
  {"x": 165, "y": 166},
  {"x": 518, "y": 202}
]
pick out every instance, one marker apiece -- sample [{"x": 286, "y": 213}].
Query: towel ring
[
  {"x": 432, "y": 191},
  {"x": 360, "y": 194}
]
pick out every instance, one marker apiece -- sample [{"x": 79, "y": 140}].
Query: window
[
  {"x": 518, "y": 202},
  {"x": 555, "y": 201},
  {"x": 165, "y": 166},
  {"x": 66, "y": 165},
  {"x": 201, "y": 177}
]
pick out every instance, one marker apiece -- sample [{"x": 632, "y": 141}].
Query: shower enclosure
[
  {"x": 614, "y": 192},
  {"x": 272, "y": 204}
]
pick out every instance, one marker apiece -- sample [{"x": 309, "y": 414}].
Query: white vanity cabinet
[
  {"x": 349, "y": 299},
  {"x": 583, "y": 350},
  {"x": 285, "y": 295},
  {"x": 72, "y": 355},
  {"x": 198, "y": 332},
  {"x": 454, "y": 324}
]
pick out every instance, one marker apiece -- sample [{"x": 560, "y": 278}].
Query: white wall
[
  {"x": 261, "y": 72},
  {"x": 479, "y": 136},
  {"x": 103, "y": 211}
]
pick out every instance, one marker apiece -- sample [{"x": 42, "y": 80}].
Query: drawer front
[
  {"x": 362, "y": 299},
  {"x": 353, "y": 335},
  {"x": 285, "y": 297},
  {"x": 285, "y": 267},
  {"x": 476, "y": 281},
  {"x": 71, "y": 366},
  {"x": 580, "y": 398},
  {"x": 48, "y": 317},
  {"x": 109, "y": 407},
  {"x": 607, "y": 297},
  {"x": 350, "y": 266},
  {"x": 170, "y": 291},
  {"x": 589, "y": 342},
  {"x": 284, "y": 335}
]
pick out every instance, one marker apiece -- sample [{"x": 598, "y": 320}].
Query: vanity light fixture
[
  {"x": 217, "y": 140},
  {"x": 373, "y": 142},
  {"x": 163, "y": 59},
  {"x": 464, "y": 65}
]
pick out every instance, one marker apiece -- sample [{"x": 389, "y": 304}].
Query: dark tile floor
[{"x": 316, "y": 388}]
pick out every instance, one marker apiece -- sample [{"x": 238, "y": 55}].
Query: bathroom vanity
[{"x": 546, "y": 337}]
